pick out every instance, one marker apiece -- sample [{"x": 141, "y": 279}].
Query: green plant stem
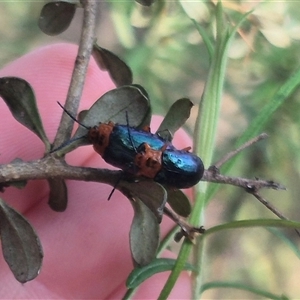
[
  {"x": 179, "y": 265},
  {"x": 205, "y": 143},
  {"x": 241, "y": 286},
  {"x": 204, "y": 146},
  {"x": 207, "y": 124}
]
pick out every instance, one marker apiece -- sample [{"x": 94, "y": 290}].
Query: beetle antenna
[
  {"x": 129, "y": 134},
  {"x": 74, "y": 139},
  {"x": 72, "y": 117},
  {"x": 67, "y": 143},
  {"x": 115, "y": 185}
]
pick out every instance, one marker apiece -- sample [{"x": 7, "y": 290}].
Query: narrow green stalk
[
  {"x": 204, "y": 144},
  {"x": 182, "y": 258},
  {"x": 243, "y": 287},
  {"x": 206, "y": 124}
]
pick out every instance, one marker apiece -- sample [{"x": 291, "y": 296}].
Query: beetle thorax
[{"x": 99, "y": 136}]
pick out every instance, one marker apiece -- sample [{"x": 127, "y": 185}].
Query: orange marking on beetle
[
  {"x": 99, "y": 136},
  {"x": 147, "y": 128},
  {"x": 148, "y": 161}
]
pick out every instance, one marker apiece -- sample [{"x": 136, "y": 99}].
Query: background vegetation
[{"x": 168, "y": 57}]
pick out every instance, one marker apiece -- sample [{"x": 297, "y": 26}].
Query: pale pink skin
[{"x": 86, "y": 248}]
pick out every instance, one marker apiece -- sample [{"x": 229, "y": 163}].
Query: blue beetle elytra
[{"x": 142, "y": 153}]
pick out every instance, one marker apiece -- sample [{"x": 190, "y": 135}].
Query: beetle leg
[{"x": 187, "y": 149}]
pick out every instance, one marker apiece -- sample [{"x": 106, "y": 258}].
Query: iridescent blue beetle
[{"x": 142, "y": 153}]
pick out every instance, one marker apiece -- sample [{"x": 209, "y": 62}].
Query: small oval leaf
[
  {"x": 56, "y": 17},
  {"x": 82, "y": 115},
  {"x": 178, "y": 113},
  {"x": 155, "y": 201},
  {"x": 119, "y": 72},
  {"x": 19, "y": 97},
  {"x": 179, "y": 202},
  {"x": 20, "y": 244},
  {"x": 144, "y": 234},
  {"x": 139, "y": 275},
  {"x": 114, "y": 106},
  {"x": 148, "y": 115},
  {"x": 58, "y": 198}
]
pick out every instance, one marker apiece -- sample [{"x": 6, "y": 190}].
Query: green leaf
[
  {"x": 58, "y": 198},
  {"x": 177, "y": 115},
  {"x": 241, "y": 286},
  {"x": 144, "y": 234},
  {"x": 179, "y": 202},
  {"x": 115, "y": 104},
  {"x": 252, "y": 223},
  {"x": 148, "y": 115},
  {"x": 56, "y": 17},
  {"x": 19, "y": 97},
  {"x": 155, "y": 201},
  {"x": 82, "y": 114},
  {"x": 119, "y": 71},
  {"x": 139, "y": 275},
  {"x": 145, "y": 2},
  {"x": 208, "y": 43},
  {"x": 20, "y": 244}
]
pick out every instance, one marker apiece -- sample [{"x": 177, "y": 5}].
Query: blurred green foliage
[
  {"x": 19, "y": 31},
  {"x": 168, "y": 58}
]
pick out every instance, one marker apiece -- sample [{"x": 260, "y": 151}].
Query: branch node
[{"x": 214, "y": 170}]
